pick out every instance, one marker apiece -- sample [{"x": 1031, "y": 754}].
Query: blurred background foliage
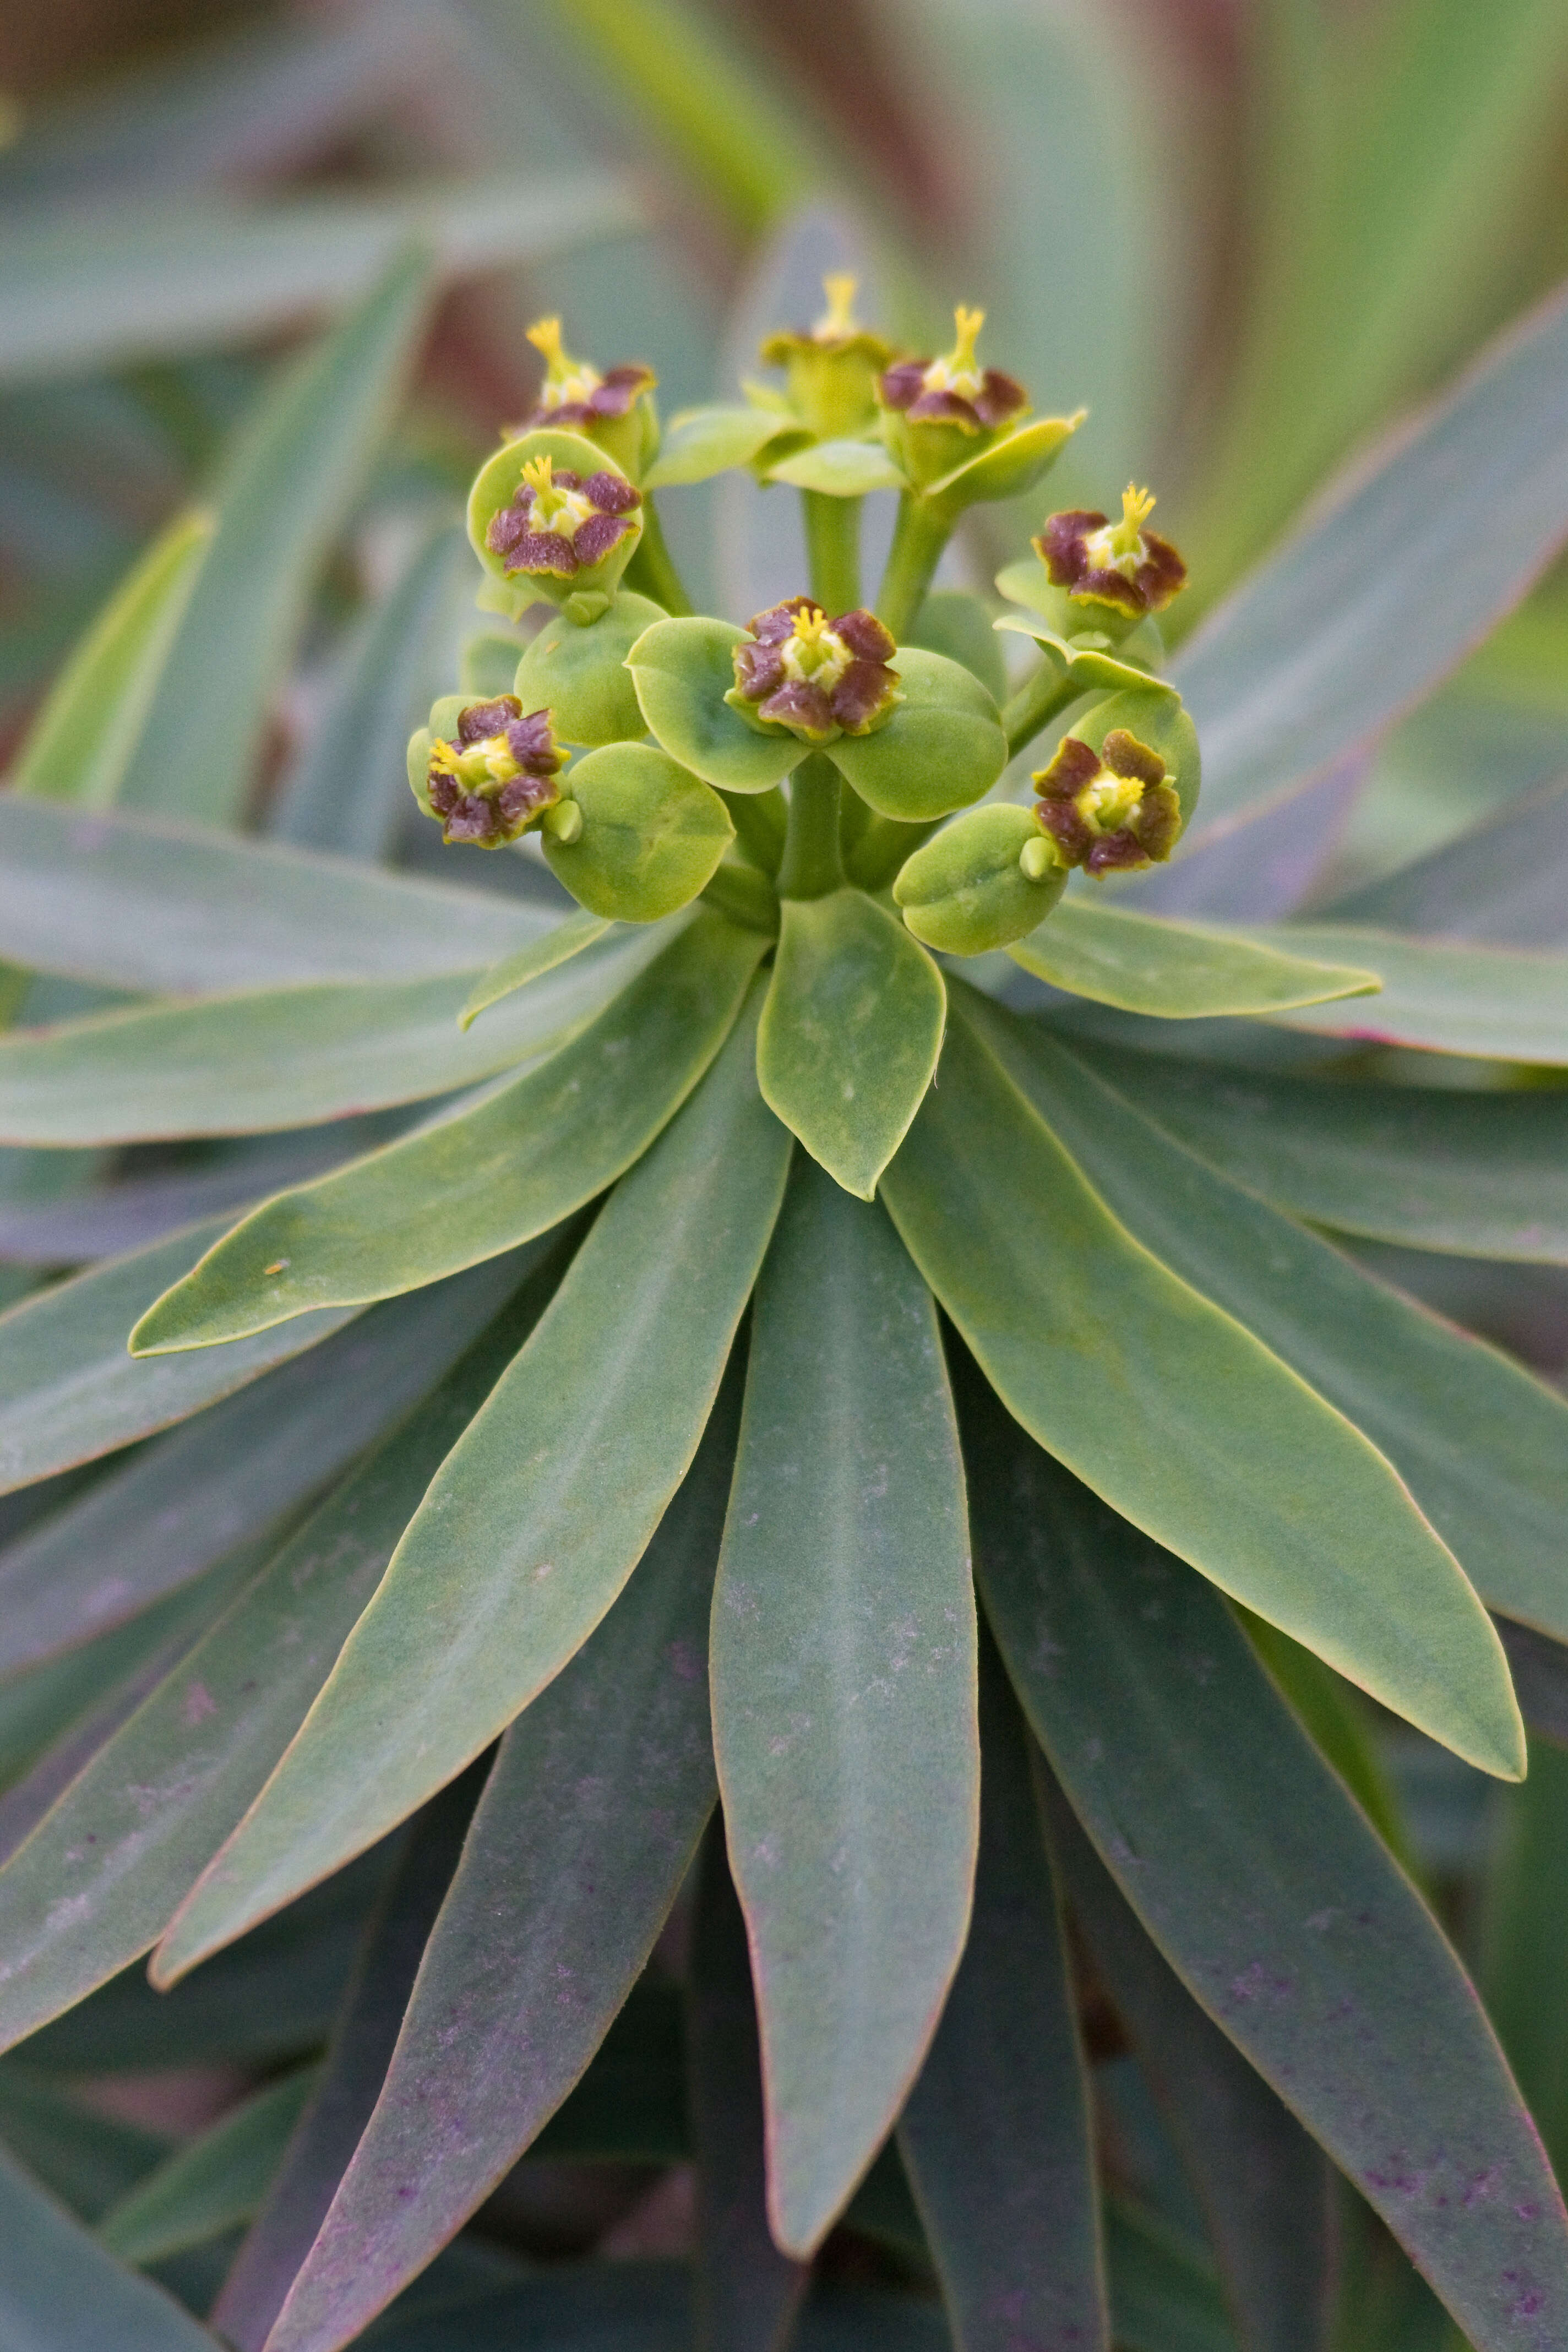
[{"x": 1252, "y": 234}]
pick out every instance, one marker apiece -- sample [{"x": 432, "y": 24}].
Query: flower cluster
[
  {"x": 818, "y": 678},
  {"x": 490, "y": 783},
  {"x": 1108, "y": 810},
  {"x": 1121, "y": 564},
  {"x": 560, "y": 523},
  {"x": 955, "y": 389}
]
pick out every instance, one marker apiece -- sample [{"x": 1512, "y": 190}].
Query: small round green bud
[
  {"x": 581, "y": 672},
  {"x": 650, "y": 836},
  {"x": 563, "y": 823},
  {"x": 988, "y": 880}
]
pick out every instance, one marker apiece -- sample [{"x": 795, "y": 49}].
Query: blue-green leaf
[
  {"x": 60, "y": 2292},
  {"x": 214, "y": 2182}
]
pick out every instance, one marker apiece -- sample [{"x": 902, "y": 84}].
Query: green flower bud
[
  {"x": 831, "y": 368},
  {"x": 485, "y": 771},
  {"x": 650, "y": 838},
  {"x": 580, "y": 671},
  {"x": 987, "y": 879},
  {"x": 1122, "y": 783},
  {"x": 550, "y": 517},
  {"x": 616, "y": 410},
  {"x": 1110, "y": 576}
]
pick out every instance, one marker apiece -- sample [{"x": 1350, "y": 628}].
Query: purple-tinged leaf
[{"x": 1500, "y": 883}]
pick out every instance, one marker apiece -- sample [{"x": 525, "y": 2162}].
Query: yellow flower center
[
  {"x": 488, "y": 762},
  {"x": 1109, "y": 802},
  {"x": 554, "y": 509},
  {"x": 838, "y": 322},
  {"x": 959, "y": 370},
  {"x": 568, "y": 380},
  {"x": 1120, "y": 546},
  {"x": 815, "y": 655}
]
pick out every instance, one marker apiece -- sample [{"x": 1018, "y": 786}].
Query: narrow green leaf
[
  {"x": 282, "y": 1058},
  {"x": 1482, "y": 1444},
  {"x": 844, "y": 1693},
  {"x": 137, "y": 902},
  {"x": 538, "y": 1516},
  {"x": 630, "y": 2107},
  {"x": 1437, "y": 1167},
  {"x": 1174, "y": 971},
  {"x": 79, "y": 745},
  {"x": 850, "y": 1033},
  {"x": 839, "y": 469},
  {"x": 745, "y": 2291},
  {"x": 702, "y": 442},
  {"x": 1447, "y": 996},
  {"x": 60, "y": 2292},
  {"x": 586, "y": 1829},
  {"x": 215, "y": 2181},
  {"x": 1341, "y": 1726},
  {"x": 567, "y": 938},
  {"x": 348, "y": 789},
  {"x": 1497, "y": 881},
  {"x": 365, "y": 2037},
  {"x": 1265, "y": 1889},
  {"x": 287, "y": 486},
  {"x": 593, "y": 2306},
  {"x": 88, "y": 2160},
  {"x": 1263, "y": 2184},
  {"x": 134, "y": 276},
  {"x": 1523, "y": 1923},
  {"x": 996, "y": 2134},
  {"x": 1359, "y": 616},
  {"x": 1160, "y": 2299},
  {"x": 1195, "y": 1429},
  {"x": 1540, "y": 1669},
  {"x": 225, "y": 1476},
  {"x": 70, "y": 1392},
  {"x": 503, "y": 1170},
  {"x": 102, "y": 1877}
]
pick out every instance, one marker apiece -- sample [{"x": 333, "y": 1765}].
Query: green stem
[
  {"x": 879, "y": 851},
  {"x": 832, "y": 545},
  {"x": 919, "y": 537},
  {"x": 651, "y": 571},
  {"x": 1040, "y": 699},
  {"x": 746, "y": 897},
  {"x": 762, "y": 822},
  {"x": 812, "y": 863}
]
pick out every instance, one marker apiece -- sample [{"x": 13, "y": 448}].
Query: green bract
[
  {"x": 666, "y": 1533},
  {"x": 650, "y": 838}
]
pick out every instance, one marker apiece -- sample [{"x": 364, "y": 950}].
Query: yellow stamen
[
  {"x": 545, "y": 336},
  {"x": 1137, "y": 506},
  {"x": 968, "y": 323},
  {"x": 1108, "y": 801},
  {"x": 839, "y": 319},
  {"x": 539, "y": 473},
  {"x": 811, "y": 625}
]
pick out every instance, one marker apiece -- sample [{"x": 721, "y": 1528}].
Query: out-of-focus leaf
[
  {"x": 996, "y": 2134},
  {"x": 1263, "y": 2184},
  {"x": 568, "y": 938},
  {"x": 139, "y": 277},
  {"x": 844, "y": 1693},
  {"x": 1501, "y": 1003},
  {"x": 1524, "y": 1921},
  {"x": 631, "y": 2106},
  {"x": 365, "y": 2037},
  {"x": 1193, "y": 1427},
  {"x": 580, "y": 1843},
  {"x": 132, "y": 1833},
  {"x": 746, "y": 2293},
  {"x": 509, "y": 1167},
  {"x": 702, "y": 442},
  {"x": 850, "y": 1033},
  {"x": 60, "y": 2292},
  {"x": 1383, "y": 591},
  {"x": 281, "y": 1058},
  {"x": 605, "y": 2306},
  {"x": 1540, "y": 1670},
  {"x": 88, "y": 2160},
  {"x": 1162, "y": 2300},
  {"x": 218, "y": 2179},
  {"x": 228, "y": 1473},
  {"x": 1340, "y": 1725},
  {"x": 69, "y": 1390},
  {"x": 348, "y": 790},
  {"x": 137, "y": 902},
  {"x": 839, "y": 469},
  {"x": 538, "y": 1516},
  {"x": 952, "y": 622},
  {"x": 1433, "y": 1167},
  {"x": 1498, "y": 882},
  {"x": 1174, "y": 971},
  {"x": 290, "y": 478},
  {"x": 1264, "y": 1888},
  {"x": 79, "y": 745},
  {"x": 1480, "y": 1443}
]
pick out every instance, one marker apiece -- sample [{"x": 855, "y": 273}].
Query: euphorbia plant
[{"x": 800, "y": 1378}]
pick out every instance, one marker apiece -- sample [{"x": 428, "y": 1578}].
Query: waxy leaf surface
[
  {"x": 1174, "y": 971},
  {"x": 1266, "y": 1888},
  {"x": 1449, "y": 997},
  {"x": 1190, "y": 1425},
  {"x": 844, "y": 1693},
  {"x": 60, "y": 2292},
  {"x": 539, "y": 1514},
  {"x": 850, "y": 1034},
  {"x": 485, "y": 1178},
  {"x": 559, "y": 945}
]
